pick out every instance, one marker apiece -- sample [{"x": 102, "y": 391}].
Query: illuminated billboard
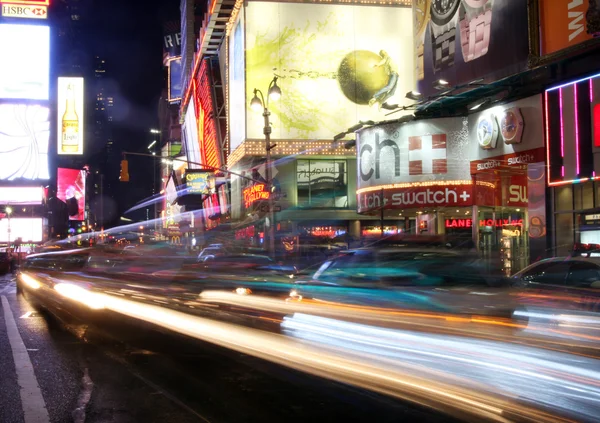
[
  {"x": 70, "y": 116},
  {"x": 28, "y": 229},
  {"x": 21, "y": 195},
  {"x": 566, "y": 23},
  {"x": 236, "y": 87},
  {"x": 24, "y": 62},
  {"x": 337, "y": 65},
  {"x": 175, "y": 79},
  {"x": 24, "y": 139},
  {"x": 71, "y": 189},
  {"x": 210, "y": 144}
]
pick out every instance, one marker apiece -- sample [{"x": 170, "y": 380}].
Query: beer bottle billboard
[{"x": 70, "y": 116}]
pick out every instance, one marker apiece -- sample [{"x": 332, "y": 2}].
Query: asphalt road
[{"x": 122, "y": 372}]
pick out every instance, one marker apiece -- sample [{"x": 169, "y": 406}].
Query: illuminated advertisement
[
  {"x": 70, "y": 116},
  {"x": 210, "y": 149},
  {"x": 190, "y": 137},
  {"x": 432, "y": 163},
  {"x": 21, "y": 195},
  {"x": 24, "y": 141},
  {"x": 566, "y": 23},
  {"x": 24, "y": 62},
  {"x": 24, "y": 11},
  {"x": 255, "y": 193},
  {"x": 28, "y": 229},
  {"x": 336, "y": 64},
  {"x": 460, "y": 41},
  {"x": 236, "y": 87},
  {"x": 175, "y": 79},
  {"x": 198, "y": 182},
  {"x": 71, "y": 189}
]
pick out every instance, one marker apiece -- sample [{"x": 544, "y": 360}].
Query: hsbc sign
[{"x": 24, "y": 11}]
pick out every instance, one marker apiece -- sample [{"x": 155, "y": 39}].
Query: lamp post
[
  {"x": 8, "y": 210},
  {"x": 259, "y": 104}
]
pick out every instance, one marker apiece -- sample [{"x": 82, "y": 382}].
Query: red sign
[
  {"x": 516, "y": 193},
  {"x": 596, "y": 124},
  {"x": 255, "y": 193},
  {"x": 416, "y": 197},
  {"x": 508, "y": 160},
  {"x": 468, "y": 223},
  {"x": 210, "y": 150},
  {"x": 30, "y": 2}
]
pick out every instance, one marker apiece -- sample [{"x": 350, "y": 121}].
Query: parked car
[{"x": 567, "y": 283}]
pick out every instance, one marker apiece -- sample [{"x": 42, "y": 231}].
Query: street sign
[
  {"x": 24, "y": 11},
  {"x": 265, "y": 208}
]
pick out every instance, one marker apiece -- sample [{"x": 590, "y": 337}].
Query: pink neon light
[
  {"x": 572, "y": 181},
  {"x": 576, "y": 130},
  {"x": 547, "y": 137},
  {"x": 562, "y": 126}
]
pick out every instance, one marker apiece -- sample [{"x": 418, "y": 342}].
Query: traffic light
[{"x": 124, "y": 175}]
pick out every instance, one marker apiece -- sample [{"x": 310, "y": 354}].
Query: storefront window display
[{"x": 322, "y": 183}]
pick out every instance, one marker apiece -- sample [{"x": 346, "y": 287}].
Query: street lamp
[
  {"x": 154, "y": 131},
  {"x": 8, "y": 210},
  {"x": 258, "y": 104}
]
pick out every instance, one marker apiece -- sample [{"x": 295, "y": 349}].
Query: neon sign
[
  {"x": 255, "y": 193},
  {"x": 468, "y": 223}
]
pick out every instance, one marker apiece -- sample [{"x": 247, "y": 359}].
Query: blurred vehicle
[
  {"x": 213, "y": 250},
  {"x": 4, "y": 263},
  {"x": 568, "y": 283},
  {"x": 425, "y": 278}
]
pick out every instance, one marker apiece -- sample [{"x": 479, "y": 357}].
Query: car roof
[{"x": 391, "y": 250}]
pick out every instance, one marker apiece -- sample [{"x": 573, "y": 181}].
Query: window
[
  {"x": 583, "y": 274},
  {"x": 553, "y": 273},
  {"x": 322, "y": 183}
]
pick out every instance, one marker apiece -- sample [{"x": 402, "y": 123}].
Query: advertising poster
[
  {"x": 199, "y": 182},
  {"x": 70, "y": 116},
  {"x": 175, "y": 79},
  {"x": 71, "y": 189},
  {"x": 461, "y": 41},
  {"x": 24, "y": 62},
  {"x": 566, "y": 23},
  {"x": 336, "y": 64},
  {"x": 237, "y": 87},
  {"x": 24, "y": 141},
  {"x": 28, "y": 229}
]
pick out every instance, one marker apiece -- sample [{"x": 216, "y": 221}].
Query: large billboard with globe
[{"x": 336, "y": 65}]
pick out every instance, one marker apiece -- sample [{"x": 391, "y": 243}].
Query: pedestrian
[{"x": 13, "y": 264}]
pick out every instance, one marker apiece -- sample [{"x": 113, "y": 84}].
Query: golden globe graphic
[{"x": 361, "y": 76}]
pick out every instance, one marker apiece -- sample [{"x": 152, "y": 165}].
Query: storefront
[
  {"x": 573, "y": 149},
  {"x": 467, "y": 176}
]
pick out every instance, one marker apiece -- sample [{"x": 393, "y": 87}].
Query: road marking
[
  {"x": 32, "y": 401},
  {"x": 9, "y": 285}
]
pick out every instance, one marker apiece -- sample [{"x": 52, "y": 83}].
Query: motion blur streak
[
  {"x": 477, "y": 390},
  {"x": 81, "y": 295},
  {"x": 524, "y": 372},
  {"x": 30, "y": 281}
]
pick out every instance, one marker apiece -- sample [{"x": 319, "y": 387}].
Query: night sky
[{"x": 128, "y": 34}]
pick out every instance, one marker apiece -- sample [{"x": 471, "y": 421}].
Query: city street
[{"x": 89, "y": 374}]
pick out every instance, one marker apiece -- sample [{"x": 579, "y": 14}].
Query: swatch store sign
[{"x": 417, "y": 164}]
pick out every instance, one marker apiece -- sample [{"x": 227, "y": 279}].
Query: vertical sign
[{"x": 70, "y": 116}]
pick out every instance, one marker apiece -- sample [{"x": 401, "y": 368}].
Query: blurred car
[
  {"x": 424, "y": 278},
  {"x": 567, "y": 283},
  {"x": 4, "y": 263},
  {"x": 213, "y": 250}
]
